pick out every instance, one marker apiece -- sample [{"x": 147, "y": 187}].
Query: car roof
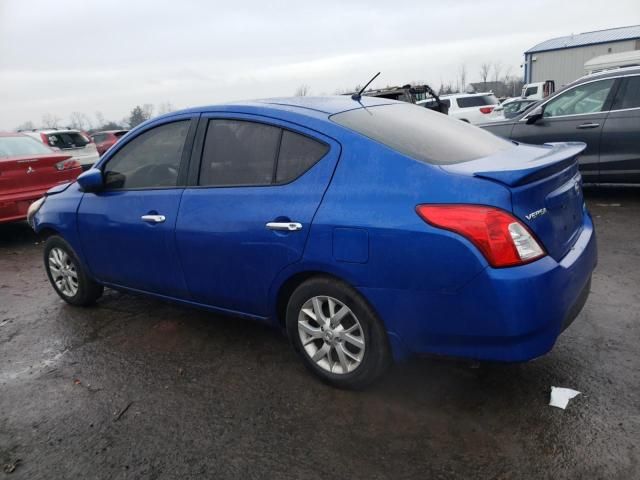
[
  {"x": 52, "y": 130},
  {"x": 614, "y": 72},
  {"x": 328, "y": 105},
  {"x": 458, "y": 95}
]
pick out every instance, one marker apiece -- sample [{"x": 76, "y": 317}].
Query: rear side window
[
  {"x": 629, "y": 94},
  {"x": 530, "y": 91},
  {"x": 297, "y": 155},
  {"x": 420, "y": 133},
  {"x": 119, "y": 134},
  {"x": 151, "y": 160},
  {"x": 99, "y": 138},
  {"x": 244, "y": 153},
  {"x": 477, "y": 101}
]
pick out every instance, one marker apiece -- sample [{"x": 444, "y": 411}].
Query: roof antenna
[{"x": 358, "y": 96}]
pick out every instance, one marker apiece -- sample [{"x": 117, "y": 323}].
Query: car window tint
[
  {"x": 66, "y": 140},
  {"x": 586, "y": 98},
  {"x": 297, "y": 155},
  {"x": 530, "y": 91},
  {"x": 152, "y": 159},
  {"x": 238, "y": 152},
  {"x": 476, "y": 101},
  {"x": 423, "y": 134},
  {"x": 119, "y": 134},
  {"x": 629, "y": 94}
]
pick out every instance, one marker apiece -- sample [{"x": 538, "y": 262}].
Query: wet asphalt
[{"x": 137, "y": 388}]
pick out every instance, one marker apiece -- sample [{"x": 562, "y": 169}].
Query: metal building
[{"x": 562, "y": 59}]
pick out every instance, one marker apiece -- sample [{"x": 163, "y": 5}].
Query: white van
[{"x": 613, "y": 60}]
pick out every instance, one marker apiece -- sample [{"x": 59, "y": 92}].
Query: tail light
[
  {"x": 503, "y": 239},
  {"x": 67, "y": 164},
  {"x": 486, "y": 109}
]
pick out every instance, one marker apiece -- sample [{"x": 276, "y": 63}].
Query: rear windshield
[
  {"x": 477, "y": 101},
  {"x": 420, "y": 133},
  {"x": 66, "y": 139},
  {"x": 17, "y": 146}
]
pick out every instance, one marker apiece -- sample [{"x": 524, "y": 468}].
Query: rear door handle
[
  {"x": 284, "y": 226},
  {"x": 153, "y": 218},
  {"x": 589, "y": 125}
]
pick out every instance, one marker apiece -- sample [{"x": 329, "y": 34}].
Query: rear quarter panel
[{"x": 375, "y": 191}]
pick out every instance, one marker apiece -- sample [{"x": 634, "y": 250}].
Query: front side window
[
  {"x": 629, "y": 94},
  {"x": 151, "y": 160},
  {"x": 586, "y": 98}
]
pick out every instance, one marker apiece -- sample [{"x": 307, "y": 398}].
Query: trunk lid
[
  {"x": 545, "y": 186},
  {"x": 32, "y": 172}
]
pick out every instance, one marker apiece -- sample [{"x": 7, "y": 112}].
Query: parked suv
[
  {"x": 106, "y": 139},
  {"x": 602, "y": 110},
  {"x": 469, "y": 107},
  {"x": 73, "y": 142}
]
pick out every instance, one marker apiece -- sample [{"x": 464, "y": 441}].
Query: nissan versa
[{"x": 369, "y": 229}]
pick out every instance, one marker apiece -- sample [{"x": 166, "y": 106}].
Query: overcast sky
[{"x": 63, "y": 56}]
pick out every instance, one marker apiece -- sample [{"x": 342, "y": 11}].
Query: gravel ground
[{"x": 137, "y": 388}]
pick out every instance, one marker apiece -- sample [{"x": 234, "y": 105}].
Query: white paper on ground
[{"x": 560, "y": 396}]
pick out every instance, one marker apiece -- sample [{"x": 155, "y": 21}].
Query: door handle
[
  {"x": 284, "y": 226},
  {"x": 153, "y": 218},
  {"x": 589, "y": 125}
]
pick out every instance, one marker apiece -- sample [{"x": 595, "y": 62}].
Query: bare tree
[
  {"x": 165, "y": 107},
  {"x": 50, "y": 121},
  {"x": 497, "y": 68},
  {"x": 302, "y": 91},
  {"x": 147, "y": 110},
  {"x": 28, "y": 125},
  {"x": 99, "y": 119},
  {"x": 462, "y": 75},
  {"x": 80, "y": 121},
  {"x": 485, "y": 69}
]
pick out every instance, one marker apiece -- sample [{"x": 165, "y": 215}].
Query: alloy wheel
[
  {"x": 331, "y": 335},
  {"x": 63, "y": 272}
]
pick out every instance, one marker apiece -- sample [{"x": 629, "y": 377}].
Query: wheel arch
[{"x": 399, "y": 349}]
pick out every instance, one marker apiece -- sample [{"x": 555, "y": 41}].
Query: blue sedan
[{"x": 368, "y": 229}]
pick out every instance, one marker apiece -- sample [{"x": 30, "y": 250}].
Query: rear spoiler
[{"x": 513, "y": 167}]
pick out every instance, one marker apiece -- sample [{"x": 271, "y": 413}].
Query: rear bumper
[
  {"x": 511, "y": 314},
  {"x": 14, "y": 207}
]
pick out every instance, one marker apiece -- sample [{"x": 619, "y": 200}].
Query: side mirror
[
  {"x": 534, "y": 115},
  {"x": 91, "y": 180}
]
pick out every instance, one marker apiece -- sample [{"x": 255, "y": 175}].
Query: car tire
[
  {"x": 349, "y": 354},
  {"x": 68, "y": 277}
]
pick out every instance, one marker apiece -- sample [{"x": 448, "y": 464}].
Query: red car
[
  {"x": 105, "y": 139},
  {"x": 27, "y": 170}
]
